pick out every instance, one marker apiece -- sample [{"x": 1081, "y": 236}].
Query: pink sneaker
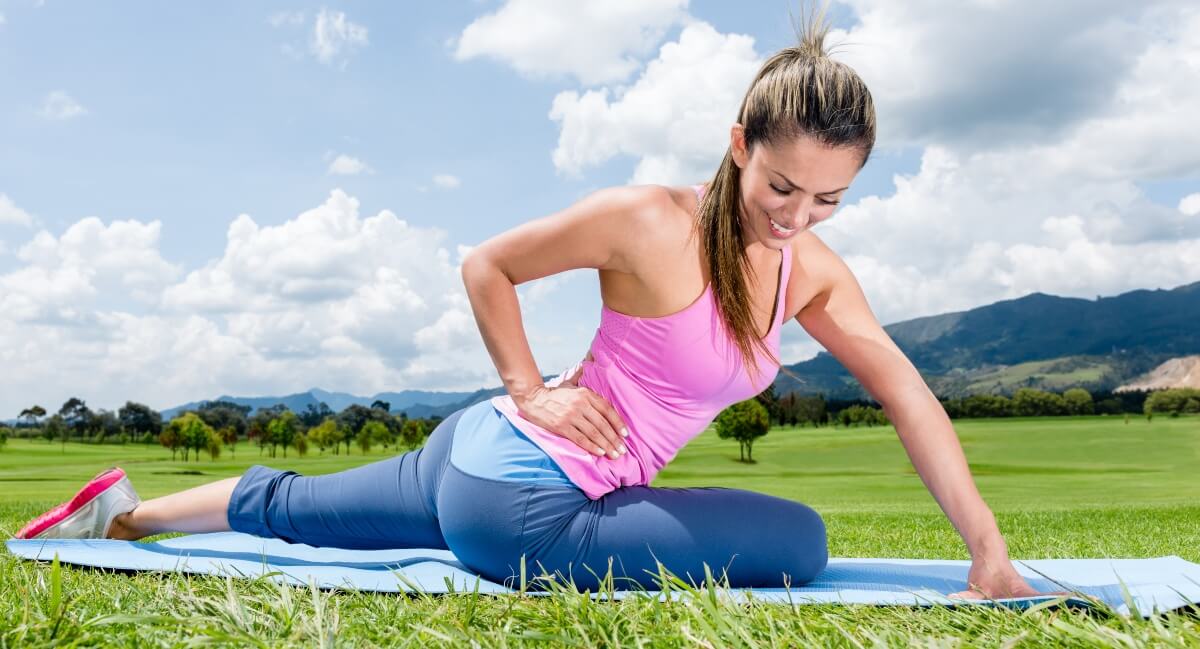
[{"x": 90, "y": 513}]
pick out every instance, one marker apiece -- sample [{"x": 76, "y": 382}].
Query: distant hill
[
  {"x": 410, "y": 401},
  {"x": 415, "y": 403},
  {"x": 1035, "y": 340},
  {"x": 1183, "y": 372}
]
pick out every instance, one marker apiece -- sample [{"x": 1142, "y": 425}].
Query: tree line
[
  {"x": 217, "y": 425},
  {"x": 751, "y": 419}
]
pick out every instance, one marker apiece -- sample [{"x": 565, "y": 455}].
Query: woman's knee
[
  {"x": 809, "y": 544},
  {"x": 253, "y": 500}
]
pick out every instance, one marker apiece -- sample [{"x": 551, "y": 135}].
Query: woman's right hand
[{"x": 578, "y": 414}]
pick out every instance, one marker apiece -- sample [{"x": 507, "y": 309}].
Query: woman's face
[{"x": 796, "y": 184}]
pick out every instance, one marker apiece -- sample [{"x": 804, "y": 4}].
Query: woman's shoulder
[{"x": 655, "y": 208}]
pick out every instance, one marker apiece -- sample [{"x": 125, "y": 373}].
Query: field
[{"x": 1061, "y": 487}]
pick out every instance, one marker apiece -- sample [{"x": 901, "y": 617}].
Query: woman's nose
[{"x": 800, "y": 215}]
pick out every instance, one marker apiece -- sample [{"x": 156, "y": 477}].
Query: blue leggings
[{"x": 420, "y": 499}]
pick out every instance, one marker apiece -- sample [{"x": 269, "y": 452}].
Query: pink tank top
[{"x": 668, "y": 377}]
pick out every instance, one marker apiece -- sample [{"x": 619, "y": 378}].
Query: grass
[{"x": 1080, "y": 487}]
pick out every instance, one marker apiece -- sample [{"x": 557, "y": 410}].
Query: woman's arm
[
  {"x": 841, "y": 320},
  {"x": 599, "y": 231}
]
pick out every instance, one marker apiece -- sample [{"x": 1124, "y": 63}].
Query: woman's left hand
[{"x": 996, "y": 578}]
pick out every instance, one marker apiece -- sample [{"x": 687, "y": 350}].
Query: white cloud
[
  {"x": 335, "y": 36},
  {"x": 327, "y": 298},
  {"x": 447, "y": 181},
  {"x": 1190, "y": 204},
  {"x": 982, "y": 74},
  {"x": 330, "y": 277},
  {"x": 13, "y": 215},
  {"x": 674, "y": 119},
  {"x": 596, "y": 41},
  {"x": 344, "y": 165},
  {"x": 60, "y": 105},
  {"x": 65, "y": 277},
  {"x": 286, "y": 19}
]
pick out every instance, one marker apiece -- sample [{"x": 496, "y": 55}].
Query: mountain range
[{"x": 1038, "y": 340}]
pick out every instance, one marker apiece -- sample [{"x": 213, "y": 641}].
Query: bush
[{"x": 1172, "y": 402}]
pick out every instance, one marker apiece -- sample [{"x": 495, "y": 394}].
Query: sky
[{"x": 260, "y": 198}]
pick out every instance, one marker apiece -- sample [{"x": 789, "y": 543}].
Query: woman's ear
[{"x": 737, "y": 145}]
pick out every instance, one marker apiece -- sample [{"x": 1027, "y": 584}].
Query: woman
[{"x": 558, "y": 472}]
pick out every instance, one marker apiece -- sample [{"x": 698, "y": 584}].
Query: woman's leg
[
  {"x": 196, "y": 510},
  {"x": 752, "y": 539},
  {"x": 386, "y": 504}
]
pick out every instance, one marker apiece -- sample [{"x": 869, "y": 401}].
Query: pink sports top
[{"x": 668, "y": 377}]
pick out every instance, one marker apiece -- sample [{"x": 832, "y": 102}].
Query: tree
[
  {"x": 1079, "y": 401},
  {"x": 382, "y": 434},
  {"x": 139, "y": 420},
  {"x": 1173, "y": 401},
  {"x": 229, "y": 437},
  {"x": 380, "y": 404},
  {"x": 259, "y": 427},
  {"x": 328, "y": 434},
  {"x": 31, "y": 415},
  {"x": 171, "y": 438},
  {"x": 283, "y": 430},
  {"x": 76, "y": 415},
  {"x": 354, "y": 417},
  {"x": 315, "y": 414},
  {"x": 744, "y": 421},
  {"x": 106, "y": 426},
  {"x": 189, "y": 432},
  {"x": 300, "y": 442},
  {"x": 1031, "y": 402},
  {"x": 412, "y": 431},
  {"x": 213, "y": 444},
  {"x": 3, "y": 436},
  {"x": 371, "y": 431},
  {"x": 770, "y": 400},
  {"x": 54, "y": 428},
  {"x": 811, "y": 409},
  {"x": 224, "y": 414}
]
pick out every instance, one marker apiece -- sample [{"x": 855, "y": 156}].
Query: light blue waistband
[{"x": 487, "y": 445}]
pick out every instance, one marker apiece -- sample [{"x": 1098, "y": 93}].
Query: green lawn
[{"x": 1061, "y": 487}]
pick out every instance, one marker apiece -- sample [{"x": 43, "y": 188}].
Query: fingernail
[
  {"x": 624, "y": 432},
  {"x": 599, "y": 451},
  {"x": 613, "y": 454},
  {"x": 622, "y": 450}
]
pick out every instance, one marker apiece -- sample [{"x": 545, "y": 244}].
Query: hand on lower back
[{"x": 578, "y": 414}]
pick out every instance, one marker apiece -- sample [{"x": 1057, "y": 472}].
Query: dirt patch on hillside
[{"x": 1182, "y": 372}]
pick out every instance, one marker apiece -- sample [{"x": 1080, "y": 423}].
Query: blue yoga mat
[{"x": 1130, "y": 586}]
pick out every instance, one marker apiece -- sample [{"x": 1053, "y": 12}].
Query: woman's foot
[{"x": 90, "y": 513}]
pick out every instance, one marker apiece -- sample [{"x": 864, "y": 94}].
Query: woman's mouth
[{"x": 779, "y": 230}]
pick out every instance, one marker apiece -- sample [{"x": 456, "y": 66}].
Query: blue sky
[{"x": 134, "y": 136}]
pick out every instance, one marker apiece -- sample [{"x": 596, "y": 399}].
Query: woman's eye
[
  {"x": 780, "y": 191},
  {"x": 825, "y": 202}
]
